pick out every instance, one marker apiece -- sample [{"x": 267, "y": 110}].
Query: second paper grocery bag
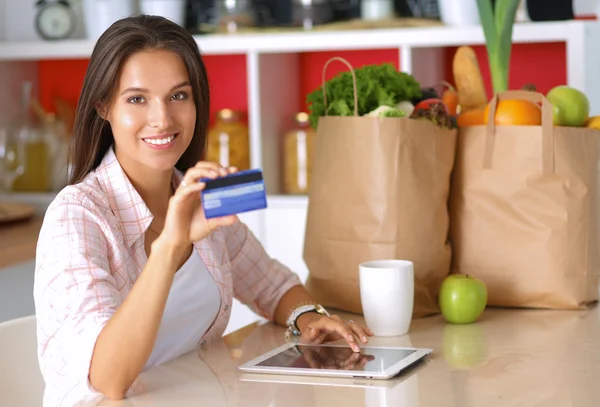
[
  {"x": 380, "y": 189},
  {"x": 525, "y": 210}
]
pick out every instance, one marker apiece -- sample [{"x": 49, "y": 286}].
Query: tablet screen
[{"x": 337, "y": 358}]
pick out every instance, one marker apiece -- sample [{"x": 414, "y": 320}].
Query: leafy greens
[{"x": 377, "y": 85}]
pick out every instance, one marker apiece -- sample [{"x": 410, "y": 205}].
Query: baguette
[{"x": 468, "y": 80}]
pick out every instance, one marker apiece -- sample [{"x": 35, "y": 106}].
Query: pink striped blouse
[{"x": 91, "y": 251}]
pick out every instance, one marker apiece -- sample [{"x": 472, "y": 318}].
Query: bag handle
[
  {"x": 353, "y": 82},
  {"x": 547, "y": 127}
]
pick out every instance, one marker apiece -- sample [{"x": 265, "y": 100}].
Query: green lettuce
[
  {"x": 393, "y": 112},
  {"x": 377, "y": 85}
]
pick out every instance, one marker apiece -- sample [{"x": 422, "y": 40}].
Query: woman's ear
[{"x": 102, "y": 110}]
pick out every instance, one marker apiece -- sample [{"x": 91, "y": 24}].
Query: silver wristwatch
[{"x": 303, "y": 309}]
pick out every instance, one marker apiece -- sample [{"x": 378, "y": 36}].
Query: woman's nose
[{"x": 160, "y": 116}]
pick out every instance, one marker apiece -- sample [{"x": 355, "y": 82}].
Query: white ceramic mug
[{"x": 387, "y": 291}]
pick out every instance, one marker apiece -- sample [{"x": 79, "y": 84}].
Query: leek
[{"x": 497, "y": 27}]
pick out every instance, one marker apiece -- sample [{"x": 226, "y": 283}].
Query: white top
[{"x": 191, "y": 308}]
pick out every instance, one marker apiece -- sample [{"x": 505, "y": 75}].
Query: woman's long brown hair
[{"x": 92, "y": 135}]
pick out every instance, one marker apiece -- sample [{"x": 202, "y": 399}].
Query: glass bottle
[
  {"x": 12, "y": 161},
  {"x": 229, "y": 141},
  {"x": 297, "y": 158},
  {"x": 35, "y": 176}
]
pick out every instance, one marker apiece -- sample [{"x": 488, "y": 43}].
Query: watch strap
[{"x": 303, "y": 309}]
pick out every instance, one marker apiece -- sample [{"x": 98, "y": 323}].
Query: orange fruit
[
  {"x": 471, "y": 118},
  {"x": 450, "y": 99},
  {"x": 515, "y": 112}
]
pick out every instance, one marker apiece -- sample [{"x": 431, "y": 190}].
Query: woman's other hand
[
  {"x": 185, "y": 222},
  {"x": 316, "y": 328}
]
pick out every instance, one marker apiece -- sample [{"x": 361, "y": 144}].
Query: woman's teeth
[{"x": 159, "y": 141}]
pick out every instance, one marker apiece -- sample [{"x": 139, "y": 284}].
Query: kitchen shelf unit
[
  {"x": 271, "y": 61},
  {"x": 272, "y": 68},
  {"x": 272, "y": 65}
]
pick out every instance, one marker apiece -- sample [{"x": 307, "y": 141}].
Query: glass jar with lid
[
  {"x": 297, "y": 158},
  {"x": 229, "y": 141},
  {"x": 310, "y": 13},
  {"x": 233, "y": 15}
]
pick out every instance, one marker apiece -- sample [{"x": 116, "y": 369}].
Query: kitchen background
[{"x": 263, "y": 57}]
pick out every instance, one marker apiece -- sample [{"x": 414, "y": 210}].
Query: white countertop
[{"x": 508, "y": 358}]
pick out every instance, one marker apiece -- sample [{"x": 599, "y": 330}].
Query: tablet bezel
[{"x": 252, "y": 365}]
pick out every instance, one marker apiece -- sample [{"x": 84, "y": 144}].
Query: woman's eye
[
  {"x": 136, "y": 100},
  {"x": 179, "y": 96}
]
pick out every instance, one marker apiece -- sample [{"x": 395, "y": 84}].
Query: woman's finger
[
  {"x": 183, "y": 193},
  {"x": 368, "y": 330},
  {"x": 209, "y": 164},
  {"x": 337, "y": 325},
  {"x": 194, "y": 175},
  {"x": 358, "y": 331},
  {"x": 212, "y": 166},
  {"x": 205, "y": 169}
]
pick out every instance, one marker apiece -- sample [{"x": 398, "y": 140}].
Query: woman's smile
[{"x": 161, "y": 141}]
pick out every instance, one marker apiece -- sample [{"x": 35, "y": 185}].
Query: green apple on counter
[
  {"x": 462, "y": 298},
  {"x": 570, "y": 106}
]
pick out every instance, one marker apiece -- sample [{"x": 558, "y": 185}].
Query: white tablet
[{"x": 373, "y": 362}]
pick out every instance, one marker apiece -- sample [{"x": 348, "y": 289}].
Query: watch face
[{"x": 55, "y": 21}]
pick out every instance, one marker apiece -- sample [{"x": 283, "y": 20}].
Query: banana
[{"x": 593, "y": 122}]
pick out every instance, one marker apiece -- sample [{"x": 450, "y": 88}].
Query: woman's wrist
[{"x": 167, "y": 249}]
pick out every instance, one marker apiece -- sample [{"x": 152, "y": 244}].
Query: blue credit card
[{"x": 243, "y": 191}]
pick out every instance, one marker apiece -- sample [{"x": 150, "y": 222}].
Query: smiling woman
[{"x": 129, "y": 271}]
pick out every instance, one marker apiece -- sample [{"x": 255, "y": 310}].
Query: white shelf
[{"x": 293, "y": 42}]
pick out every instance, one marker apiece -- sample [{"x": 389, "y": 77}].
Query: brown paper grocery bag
[
  {"x": 380, "y": 189},
  {"x": 525, "y": 210}
]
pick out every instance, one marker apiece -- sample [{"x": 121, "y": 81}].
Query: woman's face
[{"x": 152, "y": 114}]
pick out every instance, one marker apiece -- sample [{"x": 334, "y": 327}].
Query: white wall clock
[{"x": 55, "y": 20}]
